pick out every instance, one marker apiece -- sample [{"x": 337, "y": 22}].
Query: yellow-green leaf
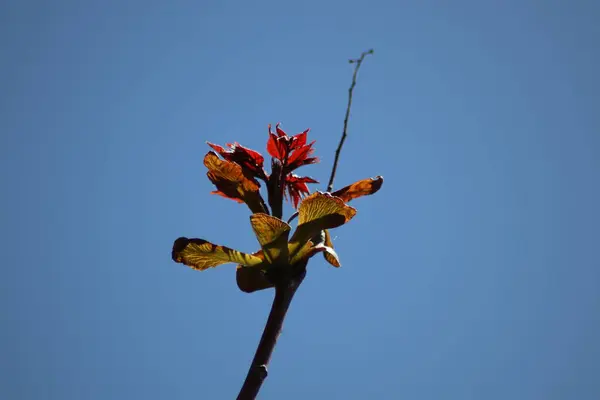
[
  {"x": 300, "y": 252},
  {"x": 200, "y": 254},
  {"x": 310, "y": 249},
  {"x": 318, "y": 212},
  {"x": 363, "y": 187},
  {"x": 272, "y": 234}
]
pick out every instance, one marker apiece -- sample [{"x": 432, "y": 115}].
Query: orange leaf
[
  {"x": 231, "y": 182},
  {"x": 363, "y": 187},
  {"x": 330, "y": 256},
  {"x": 251, "y": 161}
]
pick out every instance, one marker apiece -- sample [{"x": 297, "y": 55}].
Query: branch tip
[{"x": 358, "y": 62}]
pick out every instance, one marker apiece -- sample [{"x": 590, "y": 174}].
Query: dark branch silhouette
[
  {"x": 284, "y": 292},
  {"x": 358, "y": 61}
]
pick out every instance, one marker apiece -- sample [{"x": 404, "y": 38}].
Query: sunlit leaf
[
  {"x": 275, "y": 147},
  {"x": 318, "y": 212},
  {"x": 231, "y": 182},
  {"x": 298, "y": 253},
  {"x": 280, "y": 132},
  {"x": 329, "y": 253},
  {"x": 278, "y": 144},
  {"x": 323, "y": 245},
  {"x": 229, "y": 172},
  {"x": 272, "y": 234},
  {"x": 200, "y": 254},
  {"x": 296, "y": 187},
  {"x": 251, "y": 161},
  {"x": 324, "y": 209},
  {"x": 329, "y": 257},
  {"x": 299, "y": 156},
  {"x": 361, "y": 188},
  {"x": 292, "y": 151},
  {"x": 251, "y": 279}
]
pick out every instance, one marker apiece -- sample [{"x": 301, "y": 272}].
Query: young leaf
[
  {"x": 363, "y": 187},
  {"x": 318, "y": 212},
  {"x": 272, "y": 234},
  {"x": 231, "y": 182},
  {"x": 201, "y": 254}
]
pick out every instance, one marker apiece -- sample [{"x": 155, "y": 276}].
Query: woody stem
[
  {"x": 284, "y": 292},
  {"x": 275, "y": 189}
]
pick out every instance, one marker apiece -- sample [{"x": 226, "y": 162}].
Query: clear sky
[{"x": 473, "y": 274}]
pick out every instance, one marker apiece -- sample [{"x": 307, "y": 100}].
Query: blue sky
[{"x": 472, "y": 274}]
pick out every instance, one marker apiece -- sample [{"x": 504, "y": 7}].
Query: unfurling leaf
[
  {"x": 272, "y": 234},
  {"x": 251, "y": 161},
  {"x": 318, "y": 212},
  {"x": 297, "y": 188},
  {"x": 291, "y": 151},
  {"x": 231, "y": 182},
  {"x": 329, "y": 257},
  {"x": 363, "y": 187},
  {"x": 200, "y": 254},
  {"x": 329, "y": 253},
  {"x": 324, "y": 210}
]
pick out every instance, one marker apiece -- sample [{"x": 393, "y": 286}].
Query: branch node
[{"x": 262, "y": 371}]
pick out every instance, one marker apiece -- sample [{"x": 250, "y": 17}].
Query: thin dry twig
[{"x": 358, "y": 62}]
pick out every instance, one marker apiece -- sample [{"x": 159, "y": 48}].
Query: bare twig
[
  {"x": 358, "y": 62},
  {"x": 284, "y": 292},
  {"x": 292, "y": 217}
]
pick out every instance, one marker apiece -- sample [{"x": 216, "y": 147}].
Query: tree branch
[
  {"x": 358, "y": 63},
  {"x": 284, "y": 292}
]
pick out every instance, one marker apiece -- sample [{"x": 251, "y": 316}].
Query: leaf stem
[
  {"x": 358, "y": 62},
  {"x": 284, "y": 292}
]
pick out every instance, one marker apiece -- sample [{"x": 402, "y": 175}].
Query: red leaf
[
  {"x": 295, "y": 178},
  {"x": 280, "y": 131},
  {"x": 311, "y": 160},
  {"x": 297, "y": 188},
  {"x": 218, "y": 149},
  {"x": 299, "y": 155},
  {"x": 291, "y": 151},
  {"x": 272, "y": 148},
  {"x": 254, "y": 155},
  {"x": 251, "y": 161},
  {"x": 299, "y": 140},
  {"x": 295, "y": 196}
]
